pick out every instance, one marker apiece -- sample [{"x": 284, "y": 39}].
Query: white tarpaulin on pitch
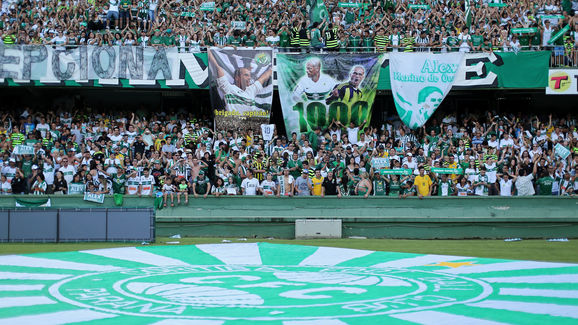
[{"x": 419, "y": 83}]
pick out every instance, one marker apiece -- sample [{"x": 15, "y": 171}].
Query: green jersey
[
  {"x": 477, "y": 40},
  {"x": 545, "y": 184},
  {"x": 379, "y": 187},
  {"x": 118, "y": 184},
  {"x": 202, "y": 183},
  {"x": 445, "y": 188}
]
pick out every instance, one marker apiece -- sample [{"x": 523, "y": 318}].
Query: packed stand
[
  {"x": 176, "y": 155},
  {"x": 376, "y": 25}
]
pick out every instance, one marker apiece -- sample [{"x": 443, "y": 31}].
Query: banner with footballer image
[
  {"x": 241, "y": 87},
  {"x": 316, "y": 89}
]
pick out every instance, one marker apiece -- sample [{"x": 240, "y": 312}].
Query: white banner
[
  {"x": 92, "y": 197},
  {"x": 379, "y": 163},
  {"x": 45, "y": 63},
  {"x": 562, "y": 82},
  {"x": 419, "y": 83},
  {"x": 23, "y": 150},
  {"x": 561, "y": 151}
]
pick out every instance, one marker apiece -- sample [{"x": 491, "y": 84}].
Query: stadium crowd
[
  {"x": 177, "y": 155},
  {"x": 373, "y": 25}
]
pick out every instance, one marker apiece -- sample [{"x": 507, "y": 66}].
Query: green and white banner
[
  {"x": 241, "y": 87},
  {"x": 318, "y": 89},
  {"x": 317, "y": 11},
  {"x": 561, "y": 151},
  {"x": 92, "y": 197},
  {"x": 451, "y": 171},
  {"x": 23, "y": 150},
  {"x": 420, "y": 82},
  {"x": 76, "y": 188}
]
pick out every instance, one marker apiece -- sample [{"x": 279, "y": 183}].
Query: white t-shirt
[
  {"x": 147, "y": 184},
  {"x": 268, "y": 186},
  {"x": 132, "y": 184},
  {"x": 524, "y": 185},
  {"x": 250, "y": 186},
  {"x": 506, "y": 187},
  {"x": 113, "y": 5},
  {"x": 352, "y": 134},
  {"x": 68, "y": 173}
]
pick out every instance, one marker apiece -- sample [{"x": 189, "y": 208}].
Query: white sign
[
  {"x": 44, "y": 63},
  {"x": 561, "y": 151},
  {"x": 379, "y": 163},
  {"x": 420, "y": 81},
  {"x": 23, "y": 150},
  {"x": 76, "y": 188},
  {"x": 562, "y": 82},
  {"x": 92, "y": 197},
  {"x": 238, "y": 25}
]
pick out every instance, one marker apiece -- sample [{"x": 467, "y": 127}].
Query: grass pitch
[{"x": 535, "y": 250}]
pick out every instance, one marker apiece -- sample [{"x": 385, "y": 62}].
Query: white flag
[
  {"x": 419, "y": 83},
  {"x": 267, "y": 131}
]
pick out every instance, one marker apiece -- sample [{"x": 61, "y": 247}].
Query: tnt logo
[{"x": 559, "y": 82}]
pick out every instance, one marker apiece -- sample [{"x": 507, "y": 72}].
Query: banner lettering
[
  {"x": 38, "y": 62},
  {"x": 92, "y": 197},
  {"x": 419, "y": 83}
]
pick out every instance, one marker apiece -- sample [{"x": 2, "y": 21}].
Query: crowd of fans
[
  {"x": 176, "y": 155},
  {"x": 375, "y": 25}
]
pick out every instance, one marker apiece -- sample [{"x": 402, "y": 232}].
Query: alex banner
[
  {"x": 241, "y": 87},
  {"x": 420, "y": 82},
  {"x": 45, "y": 63},
  {"x": 316, "y": 90},
  {"x": 562, "y": 82}
]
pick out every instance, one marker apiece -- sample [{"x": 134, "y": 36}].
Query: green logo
[
  {"x": 262, "y": 59},
  {"x": 266, "y": 292}
]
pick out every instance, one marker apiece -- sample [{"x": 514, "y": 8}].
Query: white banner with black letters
[{"x": 45, "y": 63}]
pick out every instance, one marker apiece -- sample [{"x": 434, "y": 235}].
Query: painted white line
[
  {"x": 136, "y": 255},
  {"x": 61, "y": 317},
  {"x": 333, "y": 256},
  {"x": 530, "y": 307},
  {"x": 315, "y": 322},
  {"x": 188, "y": 322},
  {"x": 16, "y": 260},
  {"x": 420, "y": 261},
  {"x": 21, "y": 287},
  {"x": 243, "y": 254},
  {"x": 507, "y": 266},
  {"x": 25, "y": 301},
  {"x": 31, "y": 276},
  {"x": 559, "y": 278},
  {"x": 435, "y": 318},
  {"x": 539, "y": 293}
]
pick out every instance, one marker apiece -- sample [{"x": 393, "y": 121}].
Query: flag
[
  {"x": 468, "y": 13},
  {"x": 420, "y": 82},
  {"x": 33, "y": 202},
  {"x": 317, "y": 11}
]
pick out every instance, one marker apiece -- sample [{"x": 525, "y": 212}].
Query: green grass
[{"x": 536, "y": 250}]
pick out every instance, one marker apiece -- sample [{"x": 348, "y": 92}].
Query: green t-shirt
[
  {"x": 284, "y": 39},
  {"x": 202, "y": 183},
  {"x": 445, "y": 188},
  {"x": 545, "y": 184},
  {"x": 125, "y": 4},
  {"x": 477, "y": 40},
  {"x": 156, "y": 40},
  {"x": 354, "y": 42},
  {"x": 118, "y": 184},
  {"x": 394, "y": 188},
  {"x": 379, "y": 187}
]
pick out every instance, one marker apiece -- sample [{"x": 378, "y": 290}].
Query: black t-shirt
[{"x": 330, "y": 186}]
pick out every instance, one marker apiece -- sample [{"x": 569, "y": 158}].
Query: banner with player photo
[
  {"x": 241, "y": 87},
  {"x": 316, "y": 89}
]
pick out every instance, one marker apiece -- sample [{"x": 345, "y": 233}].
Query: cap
[
  {"x": 409, "y": 154},
  {"x": 12, "y": 160},
  {"x": 305, "y": 171},
  {"x": 376, "y": 171},
  {"x": 34, "y": 167},
  {"x": 201, "y": 172}
]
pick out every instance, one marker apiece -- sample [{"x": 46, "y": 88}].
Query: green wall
[{"x": 435, "y": 217}]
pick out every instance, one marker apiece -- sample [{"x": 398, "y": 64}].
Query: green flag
[
  {"x": 559, "y": 34},
  {"x": 317, "y": 11},
  {"x": 468, "y": 13},
  {"x": 33, "y": 202}
]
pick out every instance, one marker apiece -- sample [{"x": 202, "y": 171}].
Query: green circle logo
[{"x": 266, "y": 292}]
